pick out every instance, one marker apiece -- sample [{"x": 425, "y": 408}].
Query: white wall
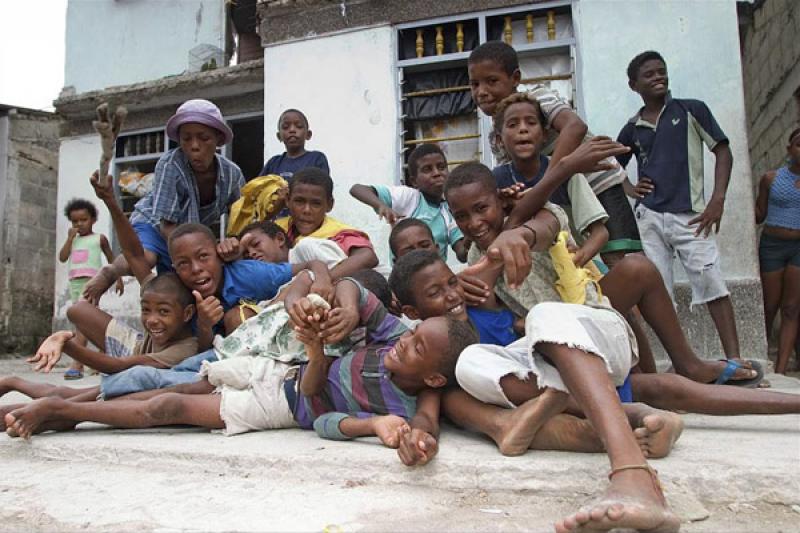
[
  {"x": 117, "y": 42},
  {"x": 700, "y": 42},
  {"x": 77, "y": 159},
  {"x": 345, "y": 84}
]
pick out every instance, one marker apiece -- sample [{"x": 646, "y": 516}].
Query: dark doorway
[{"x": 248, "y": 145}]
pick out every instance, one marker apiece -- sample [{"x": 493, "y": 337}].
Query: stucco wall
[
  {"x": 112, "y": 42},
  {"x": 346, "y": 86},
  {"x": 771, "y": 63}
]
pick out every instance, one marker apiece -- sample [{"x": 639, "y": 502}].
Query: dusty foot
[
  {"x": 633, "y": 501},
  {"x": 568, "y": 433},
  {"x": 30, "y": 418},
  {"x": 709, "y": 371},
  {"x": 4, "y": 410},
  {"x": 657, "y": 432},
  {"x": 519, "y": 426}
]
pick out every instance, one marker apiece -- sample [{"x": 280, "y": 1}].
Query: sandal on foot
[
  {"x": 72, "y": 374},
  {"x": 726, "y": 378}
]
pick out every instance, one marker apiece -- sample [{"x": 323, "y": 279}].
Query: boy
[
  {"x": 411, "y": 234},
  {"x": 494, "y": 74},
  {"x": 259, "y": 393},
  {"x": 192, "y": 184},
  {"x": 667, "y": 135},
  {"x": 293, "y": 132},
  {"x": 519, "y": 130},
  {"x": 421, "y": 200}
]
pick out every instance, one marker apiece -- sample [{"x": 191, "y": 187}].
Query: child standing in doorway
[{"x": 82, "y": 251}]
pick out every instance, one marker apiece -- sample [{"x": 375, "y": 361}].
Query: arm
[
  {"x": 597, "y": 238},
  {"x": 315, "y": 374},
  {"x": 461, "y": 248},
  {"x": 418, "y": 440},
  {"x": 105, "y": 363},
  {"x": 341, "y": 426},
  {"x": 106, "y": 248},
  {"x": 359, "y": 259},
  {"x": 762, "y": 200},
  {"x": 367, "y": 195},
  {"x": 571, "y": 132},
  {"x": 63, "y": 254},
  {"x": 712, "y": 214}
]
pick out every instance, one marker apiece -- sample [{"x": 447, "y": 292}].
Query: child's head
[
  {"x": 198, "y": 127},
  {"x": 427, "y": 169},
  {"x": 471, "y": 194},
  {"x": 411, "y": 234},
  {"x": 793, "y": 149},
  {"x": 82, "y": 214},
  {"x": 265, "y": 241},
  {"x": 426, "y": 287},
  {"x": 494, "y": 73},
  {"x": 375, "y": 283},
  {"x": 310, "y": 199},
  {"x": 293, "y": 131},
  {"x": 193, "y": 250},
  {"x": 647, "y": 75},
  {"x": 519, "y": 126},
  {"x": 428, "y": 355},
  {"x": 167, "y": 308}
]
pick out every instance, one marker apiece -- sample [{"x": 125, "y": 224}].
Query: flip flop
[
  {"x": 72, "y": 374},
  {"x": 726, "y": 377}
]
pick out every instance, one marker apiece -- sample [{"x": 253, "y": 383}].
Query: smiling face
[
  {"x": 308, "y": 205},
  {"x": 163, "y": 317},
  {"x": 489, "y": 83},
  {"x": 414, "y": 238},
  {"x": 417, "y": 354},
  {"x": 82, "y": 221},
  {"x": 522, "y": 134},
  {"x": 293, "y": 132},
  {"x": 262, "y": 247},
  {"x": 199, "y": 142},
  {"x": 431, "y": 175},
  {"x": 195, "y": 260},
  {"x": 651, "y": 80},
  {"x": 478, "y": 212},
  {"x": 436, "y": 292}
]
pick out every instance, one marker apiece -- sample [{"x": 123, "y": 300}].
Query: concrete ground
[{"x": 734, "y": 474}]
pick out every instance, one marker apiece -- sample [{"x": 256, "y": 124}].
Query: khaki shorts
[
  {"x": 598, "y": 331},
  {"x": 253, "y": 398}
]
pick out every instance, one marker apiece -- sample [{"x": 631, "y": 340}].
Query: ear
[
  {"x": 281, "y": 238},
  {"x": 632, "y": 85},
  {"x": 411, "y": 181},
  {"x": 188, "y": 312},
  {"x": 410, "y": 311},
  {"x": 308, "y": 135},
  {"x": 498, "y": 140},
  {"x": 516, "y": 77},
  {"x": 278, "y": 136},
  {"x": 330, "y": 205},
  {"x": 435, "y": 381},
  {"x": 220, "y": 139}
]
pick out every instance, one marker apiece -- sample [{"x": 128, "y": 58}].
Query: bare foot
[
  {"x": 519, "y": 426},
  {"x": 28, "y": 419},
  {"x": 633, "y": 500},
  {"x": 657, "y": 431},
  {"x": 568, "y": 433},
  {"x": 4, "y": 410}
]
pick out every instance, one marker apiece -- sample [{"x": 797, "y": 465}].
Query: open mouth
[
  {"x": 203, "y": 285},
  {"x": 456, "y": 309}
]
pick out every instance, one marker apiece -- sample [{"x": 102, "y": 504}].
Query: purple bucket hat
[{"x": 200, "y": 112}]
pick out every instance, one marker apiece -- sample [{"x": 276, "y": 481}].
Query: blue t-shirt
[
  {"x": 247, "y": 279},
  {"x": 506, "y": 175},
  {"x": 285, "y": 166},
  {"x": 670, "y": 153}
]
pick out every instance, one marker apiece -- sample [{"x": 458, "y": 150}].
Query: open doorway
[{"x": 248, "y": 144}]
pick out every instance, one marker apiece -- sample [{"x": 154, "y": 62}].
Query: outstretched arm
[
  {"x": 418, "y": 440},
  {"x": 367, "y": 195},
  {"x": 359, "y": 259}
]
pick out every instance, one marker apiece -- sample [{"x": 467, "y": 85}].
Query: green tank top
[{"x": 85, "y": 260}]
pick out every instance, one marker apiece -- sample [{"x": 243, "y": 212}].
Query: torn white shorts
[{"x": 598, "y": 331}]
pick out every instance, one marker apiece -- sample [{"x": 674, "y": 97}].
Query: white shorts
[
  {"x": 598, "y": 331},
  {"x": 253, "y": 398},
  {"x": 315, "y": 249}
]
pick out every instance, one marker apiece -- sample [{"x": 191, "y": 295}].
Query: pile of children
[{"x": 287, "y": 325}]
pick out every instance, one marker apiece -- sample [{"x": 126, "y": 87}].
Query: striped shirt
[
  {"x": 551, "y": 105},
  {"x": 175, "y": 197},
  {"x": 358, "y": 383}
]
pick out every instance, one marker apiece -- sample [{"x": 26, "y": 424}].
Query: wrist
[{"x": 529, "y": 234}]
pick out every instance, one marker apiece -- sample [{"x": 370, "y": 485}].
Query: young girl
[
  {"x": 82, "y": 249},
  {"x": 778, "y": 208}
]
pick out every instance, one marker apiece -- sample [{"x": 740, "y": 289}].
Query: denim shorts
[
  {"x": 153, "y": 241},
  {"x": 776, "y": 254}
]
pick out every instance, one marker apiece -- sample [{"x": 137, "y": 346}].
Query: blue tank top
[{"x": 783, "y": 207}]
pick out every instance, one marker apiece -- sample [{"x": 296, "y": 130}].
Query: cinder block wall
[
  {"x": 771, "y": 65},
  {"x": 27, "y": 246}
]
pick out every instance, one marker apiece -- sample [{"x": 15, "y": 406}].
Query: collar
[{"x": 637, "y": 120}]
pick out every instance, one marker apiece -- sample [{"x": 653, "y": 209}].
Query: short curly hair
[
  {"x": 497, "y": 52},
  {"x": 637, "y": 62},
  {"x": 76, "y": 204},
  {"x": 508, "y": 101}
]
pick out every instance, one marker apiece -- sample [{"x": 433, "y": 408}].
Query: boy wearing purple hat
[{"x": 193, "y": 183}]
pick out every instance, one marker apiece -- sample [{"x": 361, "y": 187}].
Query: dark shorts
[
  {"x": 776, "y": 254},
  {"x": 623, "y": 233},
  {"x": 153, "y": 241}
]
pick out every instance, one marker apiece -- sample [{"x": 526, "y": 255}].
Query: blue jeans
[{"x": 142, "y": 378}]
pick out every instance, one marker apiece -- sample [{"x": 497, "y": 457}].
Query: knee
[
  {"x": 164, "y": 408},
  {"x": 639, "y": 267},
  {"x": 790, "y": 309},
  {"x": 78, "y": 310}
]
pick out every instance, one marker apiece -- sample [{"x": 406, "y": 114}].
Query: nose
[{"x": 195, "y": 266}]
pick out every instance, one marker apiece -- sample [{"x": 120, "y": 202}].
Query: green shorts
[{"x": 76, "y": 286}]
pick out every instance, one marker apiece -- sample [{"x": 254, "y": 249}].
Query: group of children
[{"x": 287, "y": 325}]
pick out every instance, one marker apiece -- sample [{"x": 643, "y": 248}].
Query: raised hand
[
  {"x": 229, "y": 249},
  {"x": 588, "y": 157},
  {"x": 49, "y": 352},
  {"x": 209, "y": 311},
  {"x": 338, "y": 324},
  {"x": 103, "y": 190}
]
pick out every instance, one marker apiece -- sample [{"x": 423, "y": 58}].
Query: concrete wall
[
  {"x": 771, "y": 63},
  {"x": 346, "y": 86},
  {"x": 27, "y": 233},
  {"x": 113, "y": 42},
  {"x": 699, "y": 41}
]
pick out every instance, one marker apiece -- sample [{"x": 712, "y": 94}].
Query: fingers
[{"x": 209, "y": 309}]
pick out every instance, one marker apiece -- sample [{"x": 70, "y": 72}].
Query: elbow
[{"x": 578, "y": 127}]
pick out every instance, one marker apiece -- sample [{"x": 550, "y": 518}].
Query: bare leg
[
  {"x": 39, "y": 390},
  {"x": 673, "y": 392},
  {"x": 633, "y": 499},
  {"x": 198, "y": 387},
  {"x": 772, "y": 289},
  {"x": 90, "y": 321},
  {"x": 651, "y": 296},
  {"x": 721, "y": 311},
  {"x": 790, "y": 311},
  {"x": 647, "y": 361},
  {"x": 81, "y": 340},
  {"x": 164, "y": 410}
]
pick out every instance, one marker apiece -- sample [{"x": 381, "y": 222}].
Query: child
[
  {"x": 666, "y": 136},
  {"x": 519, "y": 130},
  {"x": 494, "y": 74},
  {"x": 293, "y": 132},
  {"x": 82, "y": 249},
  {"x": 192, "y": 184},
  {"x": 422, "y": 200},
  {"x": 778, "y": 208},
  {"x": 259, "y": 393},
  {"x": 411, "y": 234}
]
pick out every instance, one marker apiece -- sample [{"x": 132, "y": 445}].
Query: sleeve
[
  {"x": 327, "y": 424},
  {"x": 560, "y": 214},
  {"x": 271, "y": 166},
  {"x": 400, "y": 198},
  {"x": 549, "y": 101},
  {"x": 454, "y": 234},
  {"x": 502, "y": 176},
  {"x": 320, "y": 161},
  {"x": 235, "y": 189},
  {"x": 586, "y": 208},
  {"x": 625, "y": 137},
  {"x": 381, "y": 325},
  {"x": 706, "y": 125},
  {"x": 253, "y": 280},
  {"x": 169, "y": 192},
  {"x": 349, "y": 239}
]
